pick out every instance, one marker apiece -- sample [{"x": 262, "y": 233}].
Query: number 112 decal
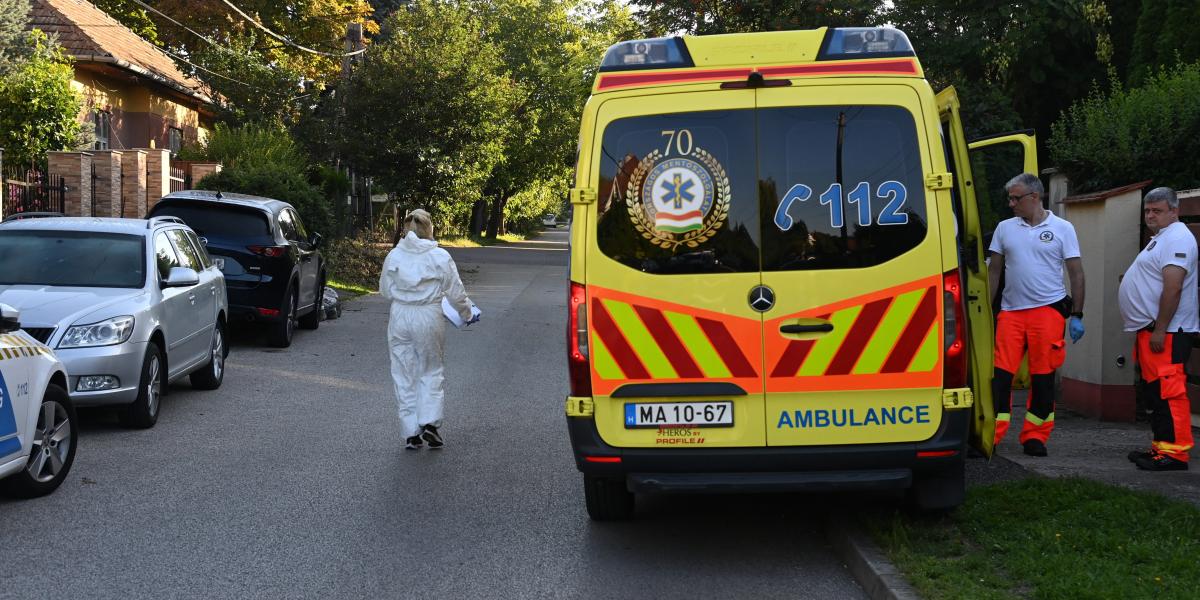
[{"x": 893, "y": 192}]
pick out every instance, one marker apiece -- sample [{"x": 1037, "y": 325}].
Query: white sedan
[{"x": 37, "y": 418}]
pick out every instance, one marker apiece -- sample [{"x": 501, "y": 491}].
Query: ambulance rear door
[
  {"x": 676, "y": 347},
  {"x": 852, "y": 253}
]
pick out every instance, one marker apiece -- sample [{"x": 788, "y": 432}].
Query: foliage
[
  {"x": 1165, "y": 35},
  {"x": 38, "y": 106},
  {"x": 1085, "y": 539},
  {"x": 436, "y": 103},
  {"x": 264, "y": 160},
  {"x": 525, "y": 210},
  {"x": 356, "y": 262},
  {"x": 1129, "y": 135},
  {"x": 14, "y": 15},
  {"x": 133, "y": 16},
  {"x": 704, "y": 17}
]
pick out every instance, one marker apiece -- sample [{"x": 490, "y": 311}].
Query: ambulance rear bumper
[{"x": 792, "y": 468}]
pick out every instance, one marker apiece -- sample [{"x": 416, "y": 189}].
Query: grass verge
[
  {"x": 1049, "y": 538},
  {"x": 348, "y": 290},
  {"x": 476, "y": 241}
]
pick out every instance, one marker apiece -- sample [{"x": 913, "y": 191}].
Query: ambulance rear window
[
  {"x": 678, "y": 193},
  {"x": 842, "y": 186}
]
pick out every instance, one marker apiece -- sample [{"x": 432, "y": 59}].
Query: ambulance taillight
[
  {"x": 954, "y": 372},
  {"x": 577, "y": 342}
]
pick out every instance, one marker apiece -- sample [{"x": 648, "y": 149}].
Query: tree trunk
[{"x": 496, "y": 221}]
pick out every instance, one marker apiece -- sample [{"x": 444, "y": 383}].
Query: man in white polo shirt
[
  {"x": 1031, "y": 249},
  {"x": 1158, "y": 301}
]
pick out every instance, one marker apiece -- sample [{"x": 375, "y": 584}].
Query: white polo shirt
[
  {"x": 1033, "y": 260},
  {"x": 1142, "y": 285}
]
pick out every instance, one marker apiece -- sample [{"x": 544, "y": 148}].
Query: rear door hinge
[
  {"x": 958, "y": 398},
  {"x": 580, "y": 406},
  {"x": 583, "y": 195},
  {"x": 939, "y": 181}
]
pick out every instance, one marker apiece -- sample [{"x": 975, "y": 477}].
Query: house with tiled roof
[{"x": 135, "y": 95}]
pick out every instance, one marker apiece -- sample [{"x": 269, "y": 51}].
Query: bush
[
  {"x": 292, "y": 188},
  {"x": 357, "y": 261},
  {"x": 38, "y": 106},
  {"x": 1151, "y": 132},
  {"x": 524, "y": 211}
]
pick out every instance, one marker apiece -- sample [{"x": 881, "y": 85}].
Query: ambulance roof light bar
[
  {"x": 843, "y": 43},
  {"x": 656, "y": 53}
]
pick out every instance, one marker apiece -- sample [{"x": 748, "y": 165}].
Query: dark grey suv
[{"x": 272, "y": 264}]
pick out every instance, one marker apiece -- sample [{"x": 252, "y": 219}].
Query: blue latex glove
[
  {"x": 475, "y": 314},
  {"x": 1075, "y": 327}
]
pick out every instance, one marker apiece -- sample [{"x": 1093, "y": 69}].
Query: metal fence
[
  {"x": 179, "y": 179},
  {"x": 31, "y": 190}
]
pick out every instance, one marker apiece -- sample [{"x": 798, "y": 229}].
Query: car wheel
[
  {"x": 210, "y": 377},
  {"x": 282, "y": 330},
  {"x": 143, "y": 413},
  {"x": 53, "y": 450},
  {"x": 607, "y": 499},
  {"x": 312, "y": 320}
]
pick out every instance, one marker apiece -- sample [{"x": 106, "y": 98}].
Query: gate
[{"x": 31, "y": 190}]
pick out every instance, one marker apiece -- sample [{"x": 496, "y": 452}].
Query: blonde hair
[{"x": 420, "y": 223}]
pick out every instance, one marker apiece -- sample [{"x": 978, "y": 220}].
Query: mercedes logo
[{"x": 762, "y": 298}]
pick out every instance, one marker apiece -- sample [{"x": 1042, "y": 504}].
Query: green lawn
[
  {"x": 1049, "y": 538},
  {"x": 476, "y": 241},
  {"x": 348, "y": 290}
]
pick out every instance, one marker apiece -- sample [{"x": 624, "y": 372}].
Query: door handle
[
  {"x": 192, "y": 298},
  {"x": 817, "y": 328}
]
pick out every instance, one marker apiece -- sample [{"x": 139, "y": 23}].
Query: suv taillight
[
  {"x": 954, "y": 370},
  {"x": 268, "y": 251},
  {"x": 577, "y": 342}
]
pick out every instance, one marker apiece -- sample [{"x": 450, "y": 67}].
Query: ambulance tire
[
  {"x": 24, "y": 484},
  {"x": 939, "y": 492},
  {"x": 607, "y": 499}
]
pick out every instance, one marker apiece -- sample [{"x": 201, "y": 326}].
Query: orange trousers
[
  {"x": 1166, "y": 383},
  {"x": 1038, "y": 331}
]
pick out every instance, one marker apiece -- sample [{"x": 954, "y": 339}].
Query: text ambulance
[{"x": 776, "y": 272}]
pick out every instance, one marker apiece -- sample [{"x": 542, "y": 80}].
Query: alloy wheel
[
  {"x": 51, "y": 443},
  {"x": 153, "y": 387},
  {"x": 218, "y": 354}
]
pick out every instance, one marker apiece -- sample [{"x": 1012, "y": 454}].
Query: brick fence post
[
  {"x": 158, "y": 175},
  {"x": 108, "y": 182},
  {"x": 202, "y": 170},
  {"x": 133, "y": 183},
  {"x": 76, "y": 170}
]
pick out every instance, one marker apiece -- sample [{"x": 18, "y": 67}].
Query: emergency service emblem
[
  {"x": 1046, "y": 236},
  {"x": 679, "y": 200}
]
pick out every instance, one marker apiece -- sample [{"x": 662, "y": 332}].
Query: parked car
[
  {"x": 550, "y": 220},
  {"x": 129, "y": 306},
  {"x": 272, "y": 264},
  {"x": 37, "y": 418}
]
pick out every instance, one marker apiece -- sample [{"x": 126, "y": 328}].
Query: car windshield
[
  {"x": 211, "y": 220},
  {"x": 72, "y": 259}
]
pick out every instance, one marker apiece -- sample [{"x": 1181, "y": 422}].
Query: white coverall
[{"x": 416, "y": 275}]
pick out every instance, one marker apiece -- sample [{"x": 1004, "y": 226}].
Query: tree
[
  {"x": 38, "y": 107},
  {"x": 1165, "y": 35},
  {"x": 133, "y": 16},
  {"x": 427, "y": 113},
  {"x": 703, "y": 17},
  {"x": 14, "y": 15}
]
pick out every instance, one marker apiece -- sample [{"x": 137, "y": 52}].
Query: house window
[
  {"x": 102, "y": 119},
  {"x": 174, "y": 139}
]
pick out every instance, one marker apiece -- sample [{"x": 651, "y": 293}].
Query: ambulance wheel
[
  {"x": 53, "y": 450},
  {"x": 607, "y": 499},
  {"x": 939, "y": 491}
]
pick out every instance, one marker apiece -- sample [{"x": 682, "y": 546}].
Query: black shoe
[
  {"x": 1160, "y": 462},
  {"x": 1034, "y": 448},
  {"x": 412, "y": 443},
  {"x": 1134, "y": 455},
  {"x": 430, "y": 434}
]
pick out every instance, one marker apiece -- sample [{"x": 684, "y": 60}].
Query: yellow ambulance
[{"x": 776, "y": 272}]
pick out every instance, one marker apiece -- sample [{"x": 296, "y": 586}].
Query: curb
[{"x": 879, "y": 578}]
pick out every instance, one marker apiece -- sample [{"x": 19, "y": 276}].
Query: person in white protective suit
[{"x": 417, "y": 274}]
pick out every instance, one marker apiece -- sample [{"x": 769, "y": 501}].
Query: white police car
[{"x": 37, "y": 418}]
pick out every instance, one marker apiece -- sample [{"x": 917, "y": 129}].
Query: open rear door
[{"x": 973, "y": 271}]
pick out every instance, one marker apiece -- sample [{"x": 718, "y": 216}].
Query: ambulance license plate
[{"x": 695, "y": 414}]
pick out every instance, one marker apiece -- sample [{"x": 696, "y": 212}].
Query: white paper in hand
[{"x": 452, "y": 315}]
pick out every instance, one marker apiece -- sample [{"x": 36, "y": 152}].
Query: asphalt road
[{"x": 291, "y": 481}]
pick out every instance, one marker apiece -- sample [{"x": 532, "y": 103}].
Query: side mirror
[
  {"x": 10, "y": 319},
  {"x": 314, "y": 240},
  {"x": 181, "y": 277}
]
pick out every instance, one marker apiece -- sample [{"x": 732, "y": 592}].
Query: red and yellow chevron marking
[
  {"x": 887, "y": 339},
  {"x": 641, "y": 339}
]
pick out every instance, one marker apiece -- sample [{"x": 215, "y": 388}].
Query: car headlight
[{"x": 105, "y": 333}]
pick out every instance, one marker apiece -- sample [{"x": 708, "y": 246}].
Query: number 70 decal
[{"x": 893, "y": 192}]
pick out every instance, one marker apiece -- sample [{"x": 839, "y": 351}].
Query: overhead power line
[{"x": 286, "y": 40}]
